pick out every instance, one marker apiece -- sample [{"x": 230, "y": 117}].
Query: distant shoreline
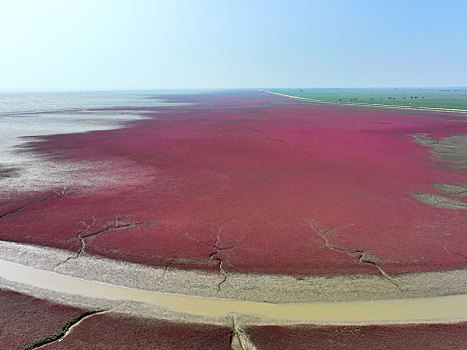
[{"x": 433, "y": 109}]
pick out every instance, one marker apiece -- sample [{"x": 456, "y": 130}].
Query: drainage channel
[{"x": 410, "y": 310}]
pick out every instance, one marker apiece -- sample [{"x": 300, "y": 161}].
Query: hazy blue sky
[{"x": 139, "y": 44}]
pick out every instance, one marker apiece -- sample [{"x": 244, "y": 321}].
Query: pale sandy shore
[{"x": 433, "y": 297}]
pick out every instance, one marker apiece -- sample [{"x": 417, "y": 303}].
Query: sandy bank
[{"x": 191, "y": 295}]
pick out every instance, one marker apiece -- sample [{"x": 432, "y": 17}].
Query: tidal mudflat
[{"x": 246, "y": 195}]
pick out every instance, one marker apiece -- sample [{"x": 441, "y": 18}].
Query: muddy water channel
[{"x": 411, "y": 310}]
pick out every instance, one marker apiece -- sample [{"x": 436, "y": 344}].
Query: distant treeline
[{"x": 382, "y": 98}]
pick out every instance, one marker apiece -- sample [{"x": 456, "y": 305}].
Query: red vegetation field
[
  {"x": 261, "y": 182},
  {"x": 397, "y": 337},
  {"x": 111, "y": 331},
  {"x": 26, "y": 320},
  {"x": 27, "y": 323}
]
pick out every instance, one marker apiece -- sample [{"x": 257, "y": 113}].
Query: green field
[{"x": 450, "y": 98}]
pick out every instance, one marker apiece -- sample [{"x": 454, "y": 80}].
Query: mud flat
[
  {"x": 238, "y": 286},
  {"x": 245, "y": 193},
  {"x": 87, "y": 306},
  {"x": 251, "y": 183},
  {"x": 246, "y": 199},
  {"x": 429, "y": 310}
]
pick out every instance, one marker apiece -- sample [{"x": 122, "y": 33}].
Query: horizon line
[{"x": 80, "y": 90}]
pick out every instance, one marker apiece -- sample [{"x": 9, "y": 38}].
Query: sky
[{"x": 52, "y": 45}]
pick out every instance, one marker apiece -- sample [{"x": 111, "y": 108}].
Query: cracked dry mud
[
  {"x": 214, "y": 255},
  {"x": 225, "y": 194},
  {"x": 84, "y": 233},
  {"x": 63, "y": 332},
  {"x": 239, "y": 338},
  {"x": 361, "y": 255},
  {"x": 27, "y": 205}
]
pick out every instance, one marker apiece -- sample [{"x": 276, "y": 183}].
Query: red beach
[{"x": 257, "y": 183}]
